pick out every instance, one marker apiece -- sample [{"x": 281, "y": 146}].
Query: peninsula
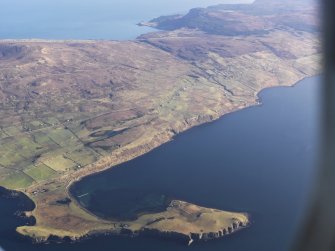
[{"x": 70, "y": 109}]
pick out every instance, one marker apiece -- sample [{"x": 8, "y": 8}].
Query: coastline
[
  {"x": 206, "y": 75},
  {"x": 258, "y": 102},
  {"x": 128, "y": 232},
  {"x": 45, "y": 238}
]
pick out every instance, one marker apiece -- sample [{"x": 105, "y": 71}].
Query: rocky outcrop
[{"x": 236, "y": 226}]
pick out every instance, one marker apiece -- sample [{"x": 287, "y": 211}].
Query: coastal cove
[{"x": 224, "y": 165}]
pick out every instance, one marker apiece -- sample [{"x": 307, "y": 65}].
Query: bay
[{"x": 261, "y": 160}]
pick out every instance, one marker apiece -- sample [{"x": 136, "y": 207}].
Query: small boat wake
[{"x": 80, "y": 196}]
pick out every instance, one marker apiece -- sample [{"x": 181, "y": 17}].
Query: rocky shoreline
[{"x": 147, "y": 232}]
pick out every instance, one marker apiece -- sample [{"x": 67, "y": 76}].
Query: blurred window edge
[{"x": 318, "y": 231}]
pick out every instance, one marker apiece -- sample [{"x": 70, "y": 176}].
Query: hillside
[{"x": 261, "y": 17}]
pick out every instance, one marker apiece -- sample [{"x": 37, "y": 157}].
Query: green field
[
  {"x": 15, "y": 180},
  {"x": 40, "y": 172},
  {"x": 60, "y": 163}
]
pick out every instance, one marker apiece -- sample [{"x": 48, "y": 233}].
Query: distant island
[{"x": 70, "y": 109}]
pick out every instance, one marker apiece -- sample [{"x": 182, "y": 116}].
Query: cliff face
[
  {"x": 73, "y": 108},
  {"x": 195, "y": 237}
]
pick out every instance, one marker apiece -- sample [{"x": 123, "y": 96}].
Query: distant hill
[
  {"x": 288, "y": 2},
  {"x": 245, "y": 19}
]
